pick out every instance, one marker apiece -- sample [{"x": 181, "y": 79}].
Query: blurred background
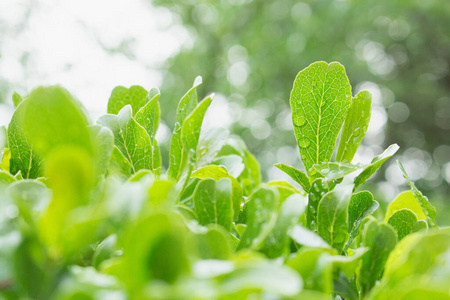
[{"x": 248, "y": 53}]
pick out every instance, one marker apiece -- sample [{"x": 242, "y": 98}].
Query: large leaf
[
  {"x": 427, "y": 208},
  {"x": 122, "y": 96},
  {"x": 381, "y": 240},
  {"x": 130, "y": 138},
  {"x": 185, "y": 107},
  {"x": 405, "y": 222},
  {"x": 297, "y": 175},
  {"x": 375, "y": 164},
  {"x": 261, "y": 216},
  {"x": 320, "y": 99},
  {"x": 355, "y": 126},
  {"x": 332, "y": 216},
  {"x": 361, "y": 205},
  {"x": 213, "y": 203}
]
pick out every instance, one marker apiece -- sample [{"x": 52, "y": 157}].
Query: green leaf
[
  {"x": 375, "y": 164},
  {"x": 297, "y": 175},
  {"x": 217, "y": 173},
  {"x": 315, "y": 268},
  {"x": 407, "y": 200},
  {"x": 213, "y": 244},
  {"x": 190, "y": 131},
  {"x": 6, "y": 177},
  {"x": 381, "y": 240},
  {"x": 261, "y": 216},
  {"x": 232, "y": 163},
  {"x": 5, "y": 161},
  {"x": 320, "y": 99},
  {"x": 318, "y": 189},
  {"x": 122, "y": 96},
  {"x": 17, "y": 99},
  {"x": 348, "y": 264},
  {"x": 210, "y": 143},
  {"x": 104, "y": 250},
  {"x": 148, "y": 116},
  {"x": 305, "y": 237},
  {"x": 157, "y": 160},
  {"x": 130, "y": 138},
  {"x": 427, "y": 208},
  {"x": 185, "y": 107},
  {"x": 119, "y": 164},
  {"x": 276, "y": 243},
  {"x": 405, "y": 222},
  {"x": 361, "y": 205},
  {"x": 103, "y": 140},
  {"x": 270, "y": 278},
  {"x": 213, "y": 203},
  {"x": 332, "y": 216},
  {"x": 334, "y": 170},
  {"x": 355, "y": 126}
]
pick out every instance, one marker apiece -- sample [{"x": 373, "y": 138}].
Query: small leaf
[
  {"x": 334, "y": 170},
  {"x": 332, "y": 214},
  {"x": 130, "y": 138},
  {"x": 122, "y": 96},
  {"x": 381, "y": 240},
  {"x": 320, "y": 99},
  {"x": 149, "y": 115},
  {"x": 185, "y": 107},
  {"x": 217, "y": 173},
  {"x": 407, "y": 200},
  {"x": 361, "y": 205},
  {"x": 307, "y": 238},
  {"x": 17, "y": 99},
  {"x": 318, "y": 189},
  {"x": 233, "y": 163},
  {"x": 348, "y": 264},
  {"x": 297, "y": 175},
  {"x": 375, "y": 164},
  {"x": 427, "y": 208},
  {"x": 119, "y": 164},
  {"x": 261, "y": 216},
  {"x": 405, "y": 222},
  {"x": 212, "y": 202},
  {"x": 214, "y": 244},
  {"x": 5, "y": 161},
  {"x": 276, "y": 242},
  {"x": 355, "y": 126},
  {"x": 6, "y": 177},
  {"x": 103, "y": 140}
]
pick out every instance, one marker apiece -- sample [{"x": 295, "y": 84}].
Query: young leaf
[
  {"x": 355, "y": 126},
  {"x": 148, "y": 116},
  {"x": 334, "y": 170},
  {"x": 17, "y": 99},
  {"x": 130, "y": 138},
  {"x": 122, "y": 96},
  {"x": 427, "y": 208},
  {"x": 277, "y": 241},
  {"x": 298, "y": 176},
  {"x": 261, "y": 216},
  {"x": 375, "y": 164},
  {"x": 332, "y": 214},
  {"x": 318, "y": 189},
  {"x": 5, "y": 164},
  {"x": 186, "y": 106},
  {"x": 305, "y": 237},
  {"x": 217, "y": 173},
  {"x": 407, "y": 200},
  {"x": 6, "y": 177},
  {"x": 361, "y": 205},
  {"x": 212, "y": 202},
  {"x": 190, "y": 131},
  {"x": 405, "y": 222},
  {"x": 320, "y": 99},
  {"x": 103, "y": 140},
  {"x": 381, "y": 240}
]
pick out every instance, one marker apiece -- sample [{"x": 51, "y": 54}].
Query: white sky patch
[{"x": 64, "y": 41}]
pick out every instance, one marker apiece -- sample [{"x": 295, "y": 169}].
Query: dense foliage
[{"x": 89, "y": 212}]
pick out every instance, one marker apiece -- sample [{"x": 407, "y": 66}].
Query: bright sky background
[{"x": 66, "y": 40}]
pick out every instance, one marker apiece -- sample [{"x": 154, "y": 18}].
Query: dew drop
[
  {"x": 357, "y": 132},
  {"x": 299, "y": 120},
  {"x": 325, "y": 171},
  {"x": 304, "y": 142}
]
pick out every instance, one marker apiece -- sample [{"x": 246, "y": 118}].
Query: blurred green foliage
[{"x": 249, "y": 50}]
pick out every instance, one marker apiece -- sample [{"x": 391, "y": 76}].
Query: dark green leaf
[{"x": 299, "y": 177}]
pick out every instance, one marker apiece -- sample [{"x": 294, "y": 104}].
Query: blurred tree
[{"x": 250, "y": 51}]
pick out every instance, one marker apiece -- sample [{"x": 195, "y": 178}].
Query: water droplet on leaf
[
  {"x": 357, "y": 132},
  {"x": 304, "y": 142},
  {"x": 300, "y": 120}
]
